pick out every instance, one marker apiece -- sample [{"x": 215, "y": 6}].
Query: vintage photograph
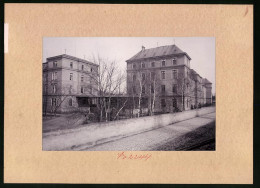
[{"x": 128, "y": 94}]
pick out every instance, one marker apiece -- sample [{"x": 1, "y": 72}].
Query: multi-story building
[
  {"x": 163, "y": 75},
  {"x": 68, "y": 83}
]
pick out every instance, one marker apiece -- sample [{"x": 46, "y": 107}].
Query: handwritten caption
[{"x": 124, "y": 156}]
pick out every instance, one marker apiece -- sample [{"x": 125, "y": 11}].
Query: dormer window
[
  {"x": 55, "y": 64},
  {"x": 71, "y": 65},
  {"x": 163, "y": 63},
  {"x": 142, "y": 65}
]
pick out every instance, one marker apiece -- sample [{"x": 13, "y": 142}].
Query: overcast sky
[{"x": 200, "y": 49}]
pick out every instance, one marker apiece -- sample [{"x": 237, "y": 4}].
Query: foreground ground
[{"x": 177, "y": 136}]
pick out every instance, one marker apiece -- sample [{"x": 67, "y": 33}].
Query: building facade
[
  {"x": 68, "y": 83},
  {"x": 163, "y": 75}
]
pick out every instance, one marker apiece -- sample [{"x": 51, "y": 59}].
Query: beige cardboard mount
[{"x": 231, "y": 25}]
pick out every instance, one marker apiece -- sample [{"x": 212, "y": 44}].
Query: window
[
  {"x": 143, "y": 76},
  {"x": 70, "y": 89},
  {"x": 94, "y": 101},
  {"x": 82, "y": 89},
  {"x": 91, "y": 70},
  {"x": 163, "y": 88},
  {"x": 152, "y": 88},
  {"x": 71, "y": 76},
  {"x": 82, "y": 67},
  {"x": 163, "y": 74},
  {"x": 90, "y": 90},
  {"x": 174, "y": 74},
  {"x": 163, "y": 103},
  {"x": 174, "y": 61},
  {"x": 174, "y": 88},
  {"x": 82, "y": 78},
  {"x": 55, "y": 64},
  {"x": 54, "y": 88},
  {"x": 54, "y": 76},
  {"x": 134, "y": 65},
  {"x": 53, "y": 102},
  {"x": 134, "y": 77},
  {"x": 187, "y": 102},
  {"x": 134, "y": 89},
  {"x": 152, "y": 75},
  {"x": 174, "y": 103},
  {"x": 45, "y": 77},
  {"x": 45, "y": 88},
  {"x": 152, "y": 64},
  {"x": 71, "y": 65},
  {"x": 70, "y": 102},
  {"x": 143, "y": 89},
  {"x": 143, "y": 65},
  {"x": 163, "y": 63}
]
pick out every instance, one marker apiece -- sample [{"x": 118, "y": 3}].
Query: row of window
[
  {"x": 163, "y": 63},
  {"x": 82, "y": 67},
  {"x": 163, "y": 103},
  {"x": 54, "y": 89},
  {"x": 163, "y": 90},
  {"x": 152, "y": 75},
  {"x": 54, "y": 102},
  {"x": 174, "y": 103},
  {"x": 83, "y": 90},
  {"x": 71, "y": 66},
  {"x": 55, "y": 77}
]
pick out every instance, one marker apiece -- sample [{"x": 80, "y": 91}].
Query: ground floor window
[
  {"x": 53, "y": 101},
  {"x": 174, "y": 103},
  {"x": 70, "y": 102},
  {"x": 163, "y": 103}
]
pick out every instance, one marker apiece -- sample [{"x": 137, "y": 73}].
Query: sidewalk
[{"x": 148, "y": 141}]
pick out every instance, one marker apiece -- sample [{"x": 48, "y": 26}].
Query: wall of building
[{"x": 65, "y": 86}]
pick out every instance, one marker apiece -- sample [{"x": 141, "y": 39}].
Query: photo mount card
[{"x": 27, "y": 161}]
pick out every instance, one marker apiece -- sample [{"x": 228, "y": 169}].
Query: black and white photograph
[{"x": 128, "y": 94}]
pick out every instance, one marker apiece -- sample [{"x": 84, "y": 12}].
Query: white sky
[{"x": 200, "y": 49}]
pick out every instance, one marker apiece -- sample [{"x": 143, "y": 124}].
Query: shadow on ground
[{"x": 192, "y": 138}]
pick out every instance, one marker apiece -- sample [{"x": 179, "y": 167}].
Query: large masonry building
[
  {"x": 68, "y": 83},
  {"x": 163, "y": 75}
]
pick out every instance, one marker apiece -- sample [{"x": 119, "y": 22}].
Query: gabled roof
[{"x": 157, "y": 52}]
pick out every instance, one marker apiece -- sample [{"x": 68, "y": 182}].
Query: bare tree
[
  {"x": 141, "y": 78},
  {"x": 153, "y": 83},
  {"x": 109, "y": 79},
  {"x": 185, "y": 88}
]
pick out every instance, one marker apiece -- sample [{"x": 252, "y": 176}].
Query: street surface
[{"x": 154, "y": 139}]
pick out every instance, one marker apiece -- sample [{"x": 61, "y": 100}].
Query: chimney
[{"x": 143, "y": 48}]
